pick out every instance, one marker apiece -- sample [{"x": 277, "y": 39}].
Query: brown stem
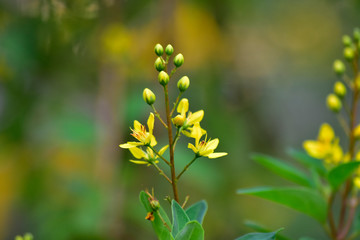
[
  {"x": 331, "y": 216},
  {"x": 158, "y": 116},
  {"x": 162, "y": 172},
  {"x": 353, "y": 204},
  {"x": 172, "y": 162},
  {"x": 157, "y": 153}
]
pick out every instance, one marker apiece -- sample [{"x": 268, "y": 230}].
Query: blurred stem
[
  {"x": 162, "y": 172},
  {"x": 158, "y": 116},
  {"x": 343, "y": 124},
  {"x": 173, "y": 71},
  {"x": 177, "y": 136},
  {"x": 186, "y": 167},
  {"x": 164, "y": 222},
  {"x": 157, "y": 153},
  {"x": 331, "y": 216},
  {"x": 175, "y": 104},
  {"x": 172, "y": 162}
]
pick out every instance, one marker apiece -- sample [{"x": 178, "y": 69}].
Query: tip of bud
[
  {"x": 183, "y": 84},
  {"x": 159, "y": 64},
  {"x": 159, "y": 50},
  {"x": 178, "y": 60},
  {"x": 148, "y": 96},
  {"x": 349, "y": 53},
  {"x": 347, "y": 41},
  {"x": 163, "y": 78},
  {"x": 178, "y": 120},
  {"x": 339, "y": 89},
  {"x": 339, "y": 67},
  {"x": 169, "y": 50},
  {"x": 333, "y": 103},
  {"x": 357, "y": 34}
]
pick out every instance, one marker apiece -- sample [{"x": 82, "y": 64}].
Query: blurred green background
[{"x": 72, "y": 74}]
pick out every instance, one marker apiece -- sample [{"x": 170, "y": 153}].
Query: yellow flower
[
  {"x": 204, "y": 148},
  {"x": 149, "y": 156},
  {"x": 182, "y": 120},
  {"x": 326, "y": 147},
  {"x": 139, "y": 132}
]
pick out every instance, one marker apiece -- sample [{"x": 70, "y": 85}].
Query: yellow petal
[
  {"x": 150, "y": 123},
  {"x": 357, "y": 182},
  {"x": 326, "y": 133},
  {"x": 206, "y": 153},
  {"x": 138, "y": 162},
  {"x": 217, "y": 155},
  {"x": 183, "y": 106},
  {"x": 192, "y": 147},
  {"x": 316, "y": 149},
  {"x": 137, "y": 125},
  {"x": 197, "y": 132},
  {"x": 357, "y": 157},
  {"x": 130, "y": 144},
  {"x": 137, "y": 152},
  {"x": 212, "y": 145},
  {"x": 337, "y": 154},
  {"x": 153, "y": 141},
  {"x": 163, "y": 149},
  {"x": 195, "y": 117}
]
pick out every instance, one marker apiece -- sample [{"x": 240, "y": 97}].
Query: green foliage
[
  {"x": 197, "y": 211},
  {"x": 304, "y": 200},
  {"x": 308, "y": 161},
  {"x": 283, "y": 169},
  {"x": 27, "y": 236},
  {"x": 192, "y": 231},
  {"x": 259, "y": 236},
  {"x": 180, "y": 218},
  {"x": 338, "y": 175},
  {"x": 260, "y": 228}
]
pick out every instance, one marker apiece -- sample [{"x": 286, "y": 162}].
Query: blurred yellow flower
[
  {"x": 326, "y": 147},
  {"x": 204, "y": 148},
  {"x": 139, "y": 132},
  {"x": 149, "y": 156},
  {"x": 192, "y": 118}
]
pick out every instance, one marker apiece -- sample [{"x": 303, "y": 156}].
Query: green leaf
[
  {"x": 260, "y": 236},
  {"x": 282, "y": 169},
  {"x": 260, "y": 228},
  {"x": 341, "y": 173},
  {"x": 192, "y": 231},
  {"x": 179, "y": 218},
  {"x": 304, "y": 200},
  {"x": 308, "y": 161},
  {"x": 161, "y": 230},
  {"x": 197, "y": 211}
]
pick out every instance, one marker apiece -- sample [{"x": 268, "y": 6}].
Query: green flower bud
[
  {"x": 349, "y": 53},
  {"x": 159, "y": 64},
  {"x": 339, "y": 67},
  {"x": 178, "y": 60},
  {"x": 183, "y": 84},
  {"x": 333, "y": 103},
  {"x": 339, "y": 89},
  {"x": 149, "y": 96},
  {"x": 155, "y": 205},
  {"x": 347, "y": 41},
  {"x": 159, "y": 50},
  {"x": 28, "y": 236},
  {"x": 357, "y": 34},
  {"x": 163, "y": 78},
  {"x": 178, "y": 120},
  {"x": 169, "y": 50},
  {"x": 357, "y": 132}
]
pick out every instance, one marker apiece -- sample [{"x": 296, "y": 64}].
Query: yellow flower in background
[
  {"x": 204, "y": 148},
  {"x": 149, "y": 156},
  {"x": 139, "y": 132},
  {"x": 326, "y": 147},
  {"x": 186, "y": 121}
]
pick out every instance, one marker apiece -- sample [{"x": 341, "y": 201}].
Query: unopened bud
[
  {"x": 357, "y": 34},
  {"x": 159, "y": 50},
  {"x": 178, "y": 60},
  {"x": 155, "y": 205},
  {"x": 349, "y": 53},
  {"x": 159, "y": 64},
  {"x": 178, "y": 120},
  {"x": 357, "y": 132},
  {"x": 169, "y": 50},
  {"x": 163, "y": 78},
  {"x": 149, "y": 96},
  {"x": 183, "y": 84},
  {"x": 333, "y": 103},
  {"x": 347, "y": 41},
  {"x": 339, "y": 67},
  {"x": 339, "y": 89}
]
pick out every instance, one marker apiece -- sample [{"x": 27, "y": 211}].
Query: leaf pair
[{"x": 186, "y": 225}]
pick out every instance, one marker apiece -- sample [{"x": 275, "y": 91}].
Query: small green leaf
[
  {"x": 308, "y": 161},
  {"x": 160, "y": 229},
  {"x": 197, "y": 211},
  {"x": 304, "y": 200},
  {"x": 341, "y": 173},
  {"x": 283, "y": 169},
  {"x": 260, "y": 228},
  {"x": 260, "y": 236},
  {"x": 179, "y": 218},
  {"x": 192, "y": 231}
]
